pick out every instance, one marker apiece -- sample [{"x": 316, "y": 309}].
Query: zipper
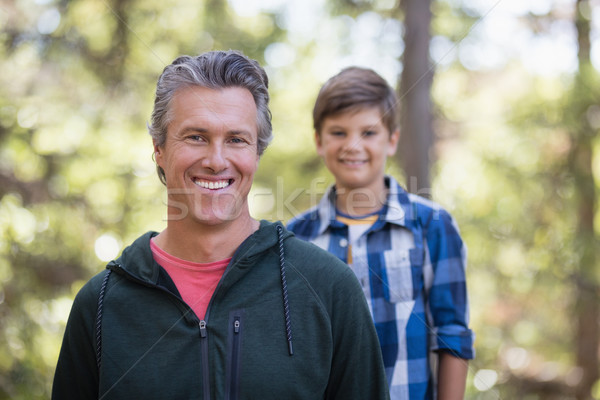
[
  {"x": 204, "y": 356},
  {"x": 234, "y": 351},
  {"x": 202, "y": 326},
  {"x": 113, "y": 265}
]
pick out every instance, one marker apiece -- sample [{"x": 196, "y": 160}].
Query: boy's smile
[
  {"x": 354, "y": 146},
  {"x": 351, "y": 163}
]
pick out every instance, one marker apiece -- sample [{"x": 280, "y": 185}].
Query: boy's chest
[{"x": 387, "y": 262}]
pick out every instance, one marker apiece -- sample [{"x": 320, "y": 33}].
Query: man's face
[
  {"x": 210, "y": 154},
  {"x": 354, "y": 147}
]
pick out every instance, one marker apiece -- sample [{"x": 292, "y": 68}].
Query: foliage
[
  {"x": 77, "y": 179},
  {"x": 77, "y": 182},
  {"x": 508, "y": 184}
]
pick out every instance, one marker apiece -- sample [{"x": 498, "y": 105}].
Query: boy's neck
[{"x": 361, "y": 201}]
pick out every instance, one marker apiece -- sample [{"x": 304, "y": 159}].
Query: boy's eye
[
  {"x": 337, "y": 133},
  {"x": 369, "y": 133}
]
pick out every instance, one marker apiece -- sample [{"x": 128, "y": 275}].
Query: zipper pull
[
  {"x": 236, "y": 326},
  {"x": 202, "y": 328}
]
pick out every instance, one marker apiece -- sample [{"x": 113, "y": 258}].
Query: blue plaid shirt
[{"x": 411, "y": 265}]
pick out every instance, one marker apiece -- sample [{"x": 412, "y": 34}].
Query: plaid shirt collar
[{"x": 398, "y": 206}]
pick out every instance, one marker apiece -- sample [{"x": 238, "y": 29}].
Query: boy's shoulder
[
  {"x": 313, "y": 262},
  {"x": 417, "y": 209},
  {"x": 423, "y": 206},
  {"x": 306, "y": 224}
]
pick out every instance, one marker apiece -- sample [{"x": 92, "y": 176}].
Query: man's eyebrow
[
  {"x": 195, "y": 129},
  {"x": 239, "y": 132},
  {"x": 189, "y": 129}
]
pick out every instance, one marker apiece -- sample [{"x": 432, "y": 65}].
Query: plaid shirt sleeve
[{"x": 448, "y": 305}]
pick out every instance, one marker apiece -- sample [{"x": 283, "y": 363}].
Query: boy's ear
[
  {"x": 318, "y": 143},
  {"x": 394, "y": 139}
]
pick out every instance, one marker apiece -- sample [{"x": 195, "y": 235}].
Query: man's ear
[
  {"x": 158, "y": 153},
  {"x": 394, "y": 139}
]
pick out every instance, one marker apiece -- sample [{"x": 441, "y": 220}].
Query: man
[{"x": 218, "y": 305}]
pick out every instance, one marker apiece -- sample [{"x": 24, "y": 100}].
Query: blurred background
[{"x": 500, "y": 107}]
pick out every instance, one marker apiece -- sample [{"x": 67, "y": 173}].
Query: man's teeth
[{"x": 212, "y": 184}]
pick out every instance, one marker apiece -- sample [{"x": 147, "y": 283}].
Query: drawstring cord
[
  {"x": 99, "y": 320},
  {"x": 286, "y": 306}
]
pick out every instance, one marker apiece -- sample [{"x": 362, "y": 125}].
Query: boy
[{"x": 406, "y": 251}]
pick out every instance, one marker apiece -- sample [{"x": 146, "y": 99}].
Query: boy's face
[{"x": 354, "y": 147}]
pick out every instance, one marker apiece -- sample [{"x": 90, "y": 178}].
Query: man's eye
[{"x": 237, "y": 140}]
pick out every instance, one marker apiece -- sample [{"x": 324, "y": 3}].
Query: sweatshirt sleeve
[
  {"x": 76, "y": 375},
  {"x": 357, "y": 368}
]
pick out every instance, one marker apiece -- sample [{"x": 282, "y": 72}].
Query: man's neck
[{"x": 196, "y": 242}]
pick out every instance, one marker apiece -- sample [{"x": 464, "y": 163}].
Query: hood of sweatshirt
[{"x": 138, "y": 261}]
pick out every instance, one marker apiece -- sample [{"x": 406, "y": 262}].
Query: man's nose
[{"x": 215, "y": 158}]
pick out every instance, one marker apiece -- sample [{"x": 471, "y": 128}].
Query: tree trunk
[
  {"x": 416, "y": 131},
  {"x": 587, "y": 309}
]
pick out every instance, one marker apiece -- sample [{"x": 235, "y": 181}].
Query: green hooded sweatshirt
[{"x": 151, "y": 345}]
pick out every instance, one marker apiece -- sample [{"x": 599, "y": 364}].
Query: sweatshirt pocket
[{"x": 234, "y": 350}]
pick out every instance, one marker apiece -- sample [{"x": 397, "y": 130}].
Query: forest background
[{"x": 504, "y": 92}]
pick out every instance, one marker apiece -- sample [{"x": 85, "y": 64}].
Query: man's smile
[{"x": 220, "y": 184}]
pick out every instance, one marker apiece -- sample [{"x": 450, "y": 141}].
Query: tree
[
  {"x": 514, "y": 162},
  {"x": 580, "y": 166},
  {"x": 416, "y": 131}
]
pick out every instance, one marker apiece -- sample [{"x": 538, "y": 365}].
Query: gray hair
[{"x": 212, "y": 70}]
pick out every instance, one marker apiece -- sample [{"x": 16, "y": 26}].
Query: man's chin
[{"x": 218, "y": 217}]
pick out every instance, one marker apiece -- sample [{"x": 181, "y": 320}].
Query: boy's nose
[{"x": 351, "y": 144}]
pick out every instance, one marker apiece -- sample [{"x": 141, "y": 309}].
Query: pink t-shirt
[{"x": 196, "y": 282}]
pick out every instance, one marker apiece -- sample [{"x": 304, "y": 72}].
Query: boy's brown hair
[{"x": 352, "y": 89}]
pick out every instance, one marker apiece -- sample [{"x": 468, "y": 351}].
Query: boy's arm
[
  {"x": 452, "y": 375},
  {"x": 449, "y": 306}
]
